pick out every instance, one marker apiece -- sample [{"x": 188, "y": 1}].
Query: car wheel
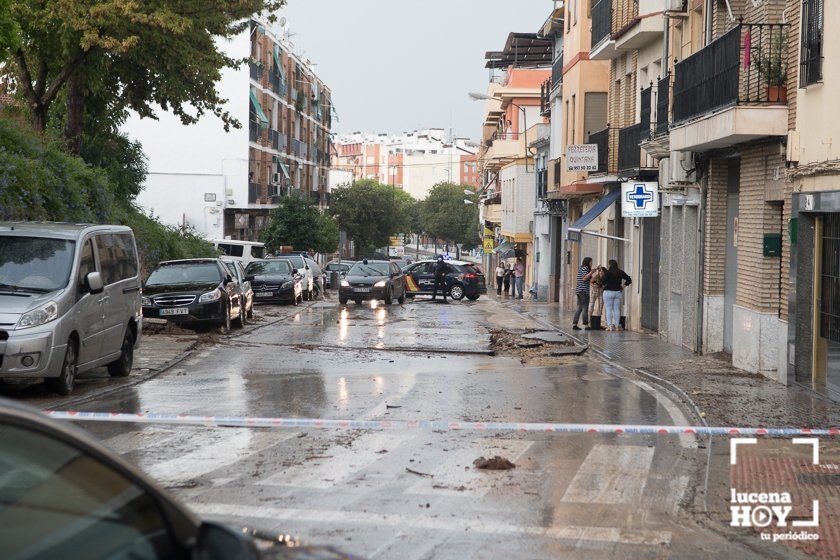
[
  {"x": 250, "y": 313},
  {"x": 389, "y": 297},
  {"x": 401, "y": 299},
  {"x": 239, "y": 322},
  {"x": 63, "y": 384},
  {"x": 121, "y": 367},
  {"x": 358, "y": 302},
  {"x": 456, "y": 292},
  {"x": 342, "y": 300},
  {"x": 316, "y": 292},
  {"x": 473, "y": 297},
  {"x": 224, "y": 326}
]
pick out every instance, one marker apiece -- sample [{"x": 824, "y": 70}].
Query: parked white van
[
  {"x": 69, "y": 301},
  {"x": 243, "y": 251}
]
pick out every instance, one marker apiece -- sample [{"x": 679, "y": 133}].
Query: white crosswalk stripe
[
  {"x": 611, "y": 474},
  {"x": 452, "y": 477},
  {"x": 339, "y": 463}
]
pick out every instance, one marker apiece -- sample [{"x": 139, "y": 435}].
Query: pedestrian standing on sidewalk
[
  {"x": 507, "y": 279},
  {"x": 500, "y": 278},
  {"x": 596, "y": 297},
  {"x": 582, "y": 293},
  {"x": 616, "y": 280},
  {"x": 519, "y": 277}
]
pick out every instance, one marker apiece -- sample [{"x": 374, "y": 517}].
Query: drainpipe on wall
[{"x": 701, "y": 216}]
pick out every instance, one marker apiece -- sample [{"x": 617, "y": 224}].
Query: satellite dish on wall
[{"x": 282, "y": 21}]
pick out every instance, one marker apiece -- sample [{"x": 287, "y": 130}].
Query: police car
[{"x": 465, "y": 279}]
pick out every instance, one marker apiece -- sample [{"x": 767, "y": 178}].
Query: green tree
[
  {"x": 134, "y": 54},
  {"x": 298, "y": 223},
  {"x": 369, "y": 212},
  {"x": 9, "y": 31},
  {"x": 446, "y": 216}
]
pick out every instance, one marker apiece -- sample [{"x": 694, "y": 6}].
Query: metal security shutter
[
  {"x": 650, "y": 273},
  {"x": 594, "y": 112}
]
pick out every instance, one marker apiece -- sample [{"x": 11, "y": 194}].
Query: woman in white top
[{"x": 500, "y": 278}]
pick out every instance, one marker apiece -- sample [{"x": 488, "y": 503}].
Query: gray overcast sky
[{"x": 398, "y": 65}]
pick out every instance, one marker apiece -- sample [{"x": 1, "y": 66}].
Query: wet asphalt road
[{"x": 576, "y": 496}]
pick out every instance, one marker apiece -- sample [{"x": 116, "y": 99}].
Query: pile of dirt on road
[
  {"x": 535, "y": 347},
  {"x": 164, "y": 328}
]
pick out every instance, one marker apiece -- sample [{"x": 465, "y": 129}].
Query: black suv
[
  {"x": 369, "y": 279},
  {"x": 192, "y": 292}
]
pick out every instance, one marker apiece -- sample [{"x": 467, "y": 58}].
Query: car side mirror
[
  {"x": 218, "y": 542},
  {"x": 94, "y": 282}
]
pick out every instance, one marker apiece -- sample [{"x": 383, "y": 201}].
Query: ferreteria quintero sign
[{"x": 582, "y": 157}]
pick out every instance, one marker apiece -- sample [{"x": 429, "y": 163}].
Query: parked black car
[
  {"x": 368, "y": 279},
  {"x": 465, "y": 279},
  {"x": 237, "y": 271},
  {"x": 66, "y": 496},
  {"x": 275, "y": 280},
  {"x": 193, "y": 292}
]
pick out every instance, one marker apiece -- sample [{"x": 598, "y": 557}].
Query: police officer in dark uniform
[{"x": 441, "y": 270}]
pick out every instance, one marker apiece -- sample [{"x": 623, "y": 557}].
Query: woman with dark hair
[
  {"x": 615, "y": 281},
  {"x": 582, "y": 293},
  {"x": 507, "y": 279}
]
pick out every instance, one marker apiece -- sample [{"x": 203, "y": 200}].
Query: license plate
[
  {"x": 175, "y": 311},
  {"x": 361, "y": 290},
  {"x": 264, "y": 294}
]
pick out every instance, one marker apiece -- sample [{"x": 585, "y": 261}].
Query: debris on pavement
[
  {"x": 418, "y": 473},
  {"x": 497, "y": 463},
  {"x": 535, "y": 347}
]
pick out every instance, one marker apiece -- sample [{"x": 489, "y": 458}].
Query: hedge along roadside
[{"x": 40, "y": 181}]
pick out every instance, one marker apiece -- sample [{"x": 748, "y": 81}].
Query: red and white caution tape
[{"x": 444, "y": 425}]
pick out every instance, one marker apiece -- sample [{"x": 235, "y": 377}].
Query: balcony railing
[
  {"x": 256, "y": 71},
  {"x": 629, "y": 152},
  {"x": 253, "y": 131},
  {"x": 663, "y": 99},
  {"x": 602, "y": 140},
  {"x": 277, "y": 85},
  {"x": 645, "y": 115},
  {"x": 545, "y": 97},
  {"x": 601, "y": 20},
  {"x": 747, "y": 65},
  {"x": 557, "y": 70}
]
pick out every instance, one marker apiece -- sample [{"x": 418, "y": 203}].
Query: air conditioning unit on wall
[{"x": 681, "y": 166}]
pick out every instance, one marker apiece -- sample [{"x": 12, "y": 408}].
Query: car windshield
[
  {"x": 35, "y": 264},
  {"x": 338, "y": 267},
  {"x": 297, "y": 261},
  {"x": 269, "y": 267},
  {"x": 184, "y": 273},
  {"x": 370, "y": 269}
]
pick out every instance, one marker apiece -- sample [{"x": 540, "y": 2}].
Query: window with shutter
[{"x": 810, "y": 67}]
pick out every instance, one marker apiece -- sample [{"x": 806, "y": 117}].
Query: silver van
[{"x": 69, "y": 301}]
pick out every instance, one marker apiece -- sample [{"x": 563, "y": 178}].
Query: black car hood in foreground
[
  {"x": 365, "y": 280},
  {"x": 158, "y": 289}
]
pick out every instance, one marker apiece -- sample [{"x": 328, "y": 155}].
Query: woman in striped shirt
[{"x": 582, "y": 292}]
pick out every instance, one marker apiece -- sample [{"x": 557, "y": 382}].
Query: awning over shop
[
  {"x": 577, "y": 228},
  {"x": 503, "y": 247},
  {"x": 258, "y": 108}
]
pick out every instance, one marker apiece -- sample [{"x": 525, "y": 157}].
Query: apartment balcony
[
  {"x": 253, "y": 192},
  {"x": 629, "y": 152},
  {"x": 557, "y": 71},
  {"x": 646, "y": 27},
  {"x": 253, "y": 131},
  {"x": 655, "y": 101},
  {"x": 503, "y": 148},
  {"x": 256, "y": 71},
  {"x": 603, "y": 47},
  {"x": 545, "y": 98},
  {"x": 277, "y": 85},
  {"x": 602, "y": 140},
  {"x": 733, "y": 90}
]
